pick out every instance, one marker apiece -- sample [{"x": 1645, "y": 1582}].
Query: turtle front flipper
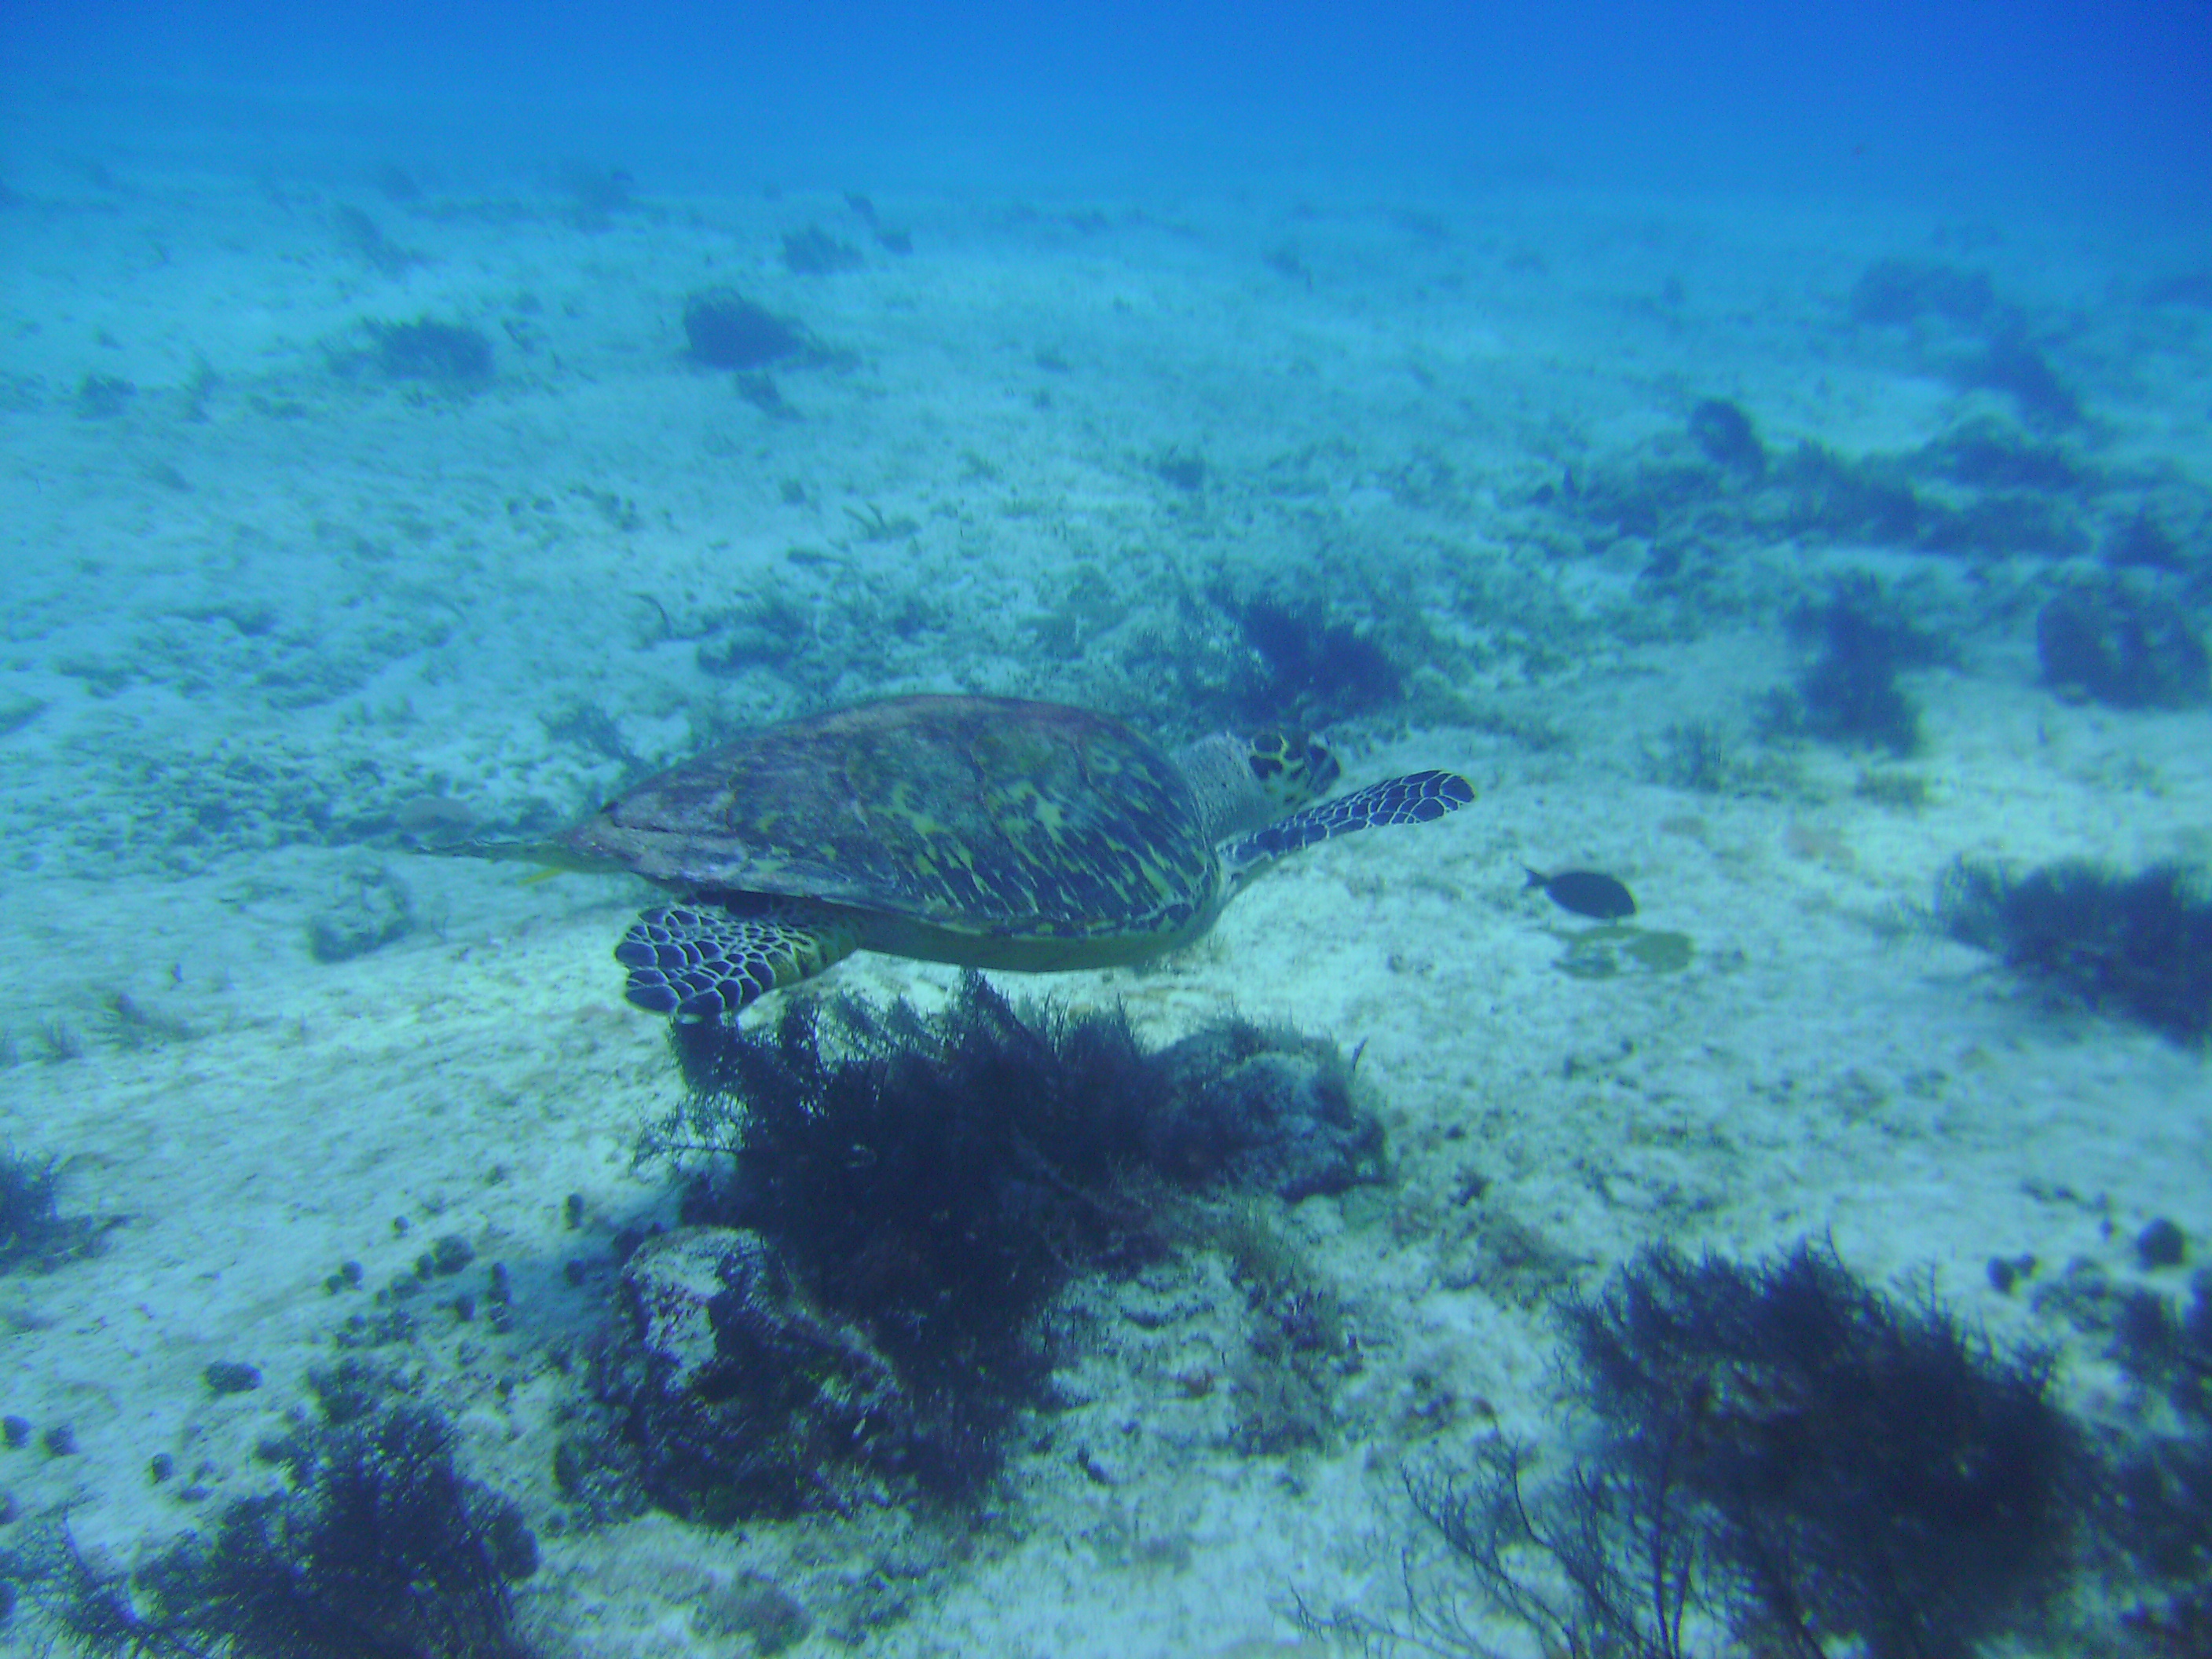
[
  {"x": 703, "y": 962},
  {"x": 1415, "y": 799}
]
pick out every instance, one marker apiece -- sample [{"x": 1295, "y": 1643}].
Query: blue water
[{"x": 1959, "y": 107}]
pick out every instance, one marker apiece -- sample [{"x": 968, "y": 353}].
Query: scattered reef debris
[
  {"x": 1179, "y": 469},
  {"x": 2116, "y": 643},
  {"x": 1956, "y": 324},
  {"x": 1992, "y": 487},
  {"x": 814, "y": 252},
  {"x": 596, "y": 192},
  {"x": 1724, "y": 433},
  {"x": 363, "y": 238},
  {"x": 2158, "y": 1503},
  {"x": 1904, "y": 293},
  {"x": 722, "y": 328},
  {"x": 2145, "y": 541},
  {"x": 2011, "y": 363},
  {"x": 745, "y": 1391},
  {"x": 890, "y": 238},
  {"x": 1708, "y": 757},
  {"x": 104, "y": 396},
  {"x": 1259, "y": 1109},
  {"x": 375, "y": 909},
  {"x": 447, "y": 354},
  {"x": 1985, "y": 454}
]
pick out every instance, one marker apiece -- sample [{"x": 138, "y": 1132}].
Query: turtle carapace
[{"x": 979, "y": 831}]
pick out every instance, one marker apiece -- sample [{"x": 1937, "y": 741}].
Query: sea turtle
[{"x": 980, "y": 830}]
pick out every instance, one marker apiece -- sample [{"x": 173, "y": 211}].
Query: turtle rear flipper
[
  {"x": 703, "y": 962},
  {"x": 1414, "y": 798},
  {"x": 553, "y": 858}
]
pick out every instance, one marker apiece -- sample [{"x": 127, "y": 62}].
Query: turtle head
[{"x": 1242, "y": 782}]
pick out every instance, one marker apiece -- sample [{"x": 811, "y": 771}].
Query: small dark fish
[{"x": 1585, "y": 892}]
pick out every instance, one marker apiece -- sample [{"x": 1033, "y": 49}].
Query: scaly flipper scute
[{"x": 703, "y": 962}]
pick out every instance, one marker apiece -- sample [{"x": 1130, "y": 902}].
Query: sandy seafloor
[{"x": 275, "y": 601}]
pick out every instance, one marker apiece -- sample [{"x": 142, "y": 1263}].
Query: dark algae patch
[
  {"x": 882, "y": 1204},
  {"x": 1848, "y": 692},
  {"x": 441, "y": 354},
  {"x": 379, "y": 1547},
  {"x": 2136, "y": 946},
  {"x": 1726, "y": 436},
  {"x": 33, "y": 1232},
  {"x": 2121, "y": 644},
  {"x": 1771, "y": 1449},
  {"x": 722, "y": 328}
]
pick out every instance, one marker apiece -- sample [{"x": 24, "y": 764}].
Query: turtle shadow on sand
[{"x": 1614, "y": 948}]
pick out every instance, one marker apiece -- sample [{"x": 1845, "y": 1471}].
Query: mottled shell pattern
[{"x": 984, "y": 815}]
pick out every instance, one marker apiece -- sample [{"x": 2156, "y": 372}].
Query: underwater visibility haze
[{"x": 690, "y": 697}]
